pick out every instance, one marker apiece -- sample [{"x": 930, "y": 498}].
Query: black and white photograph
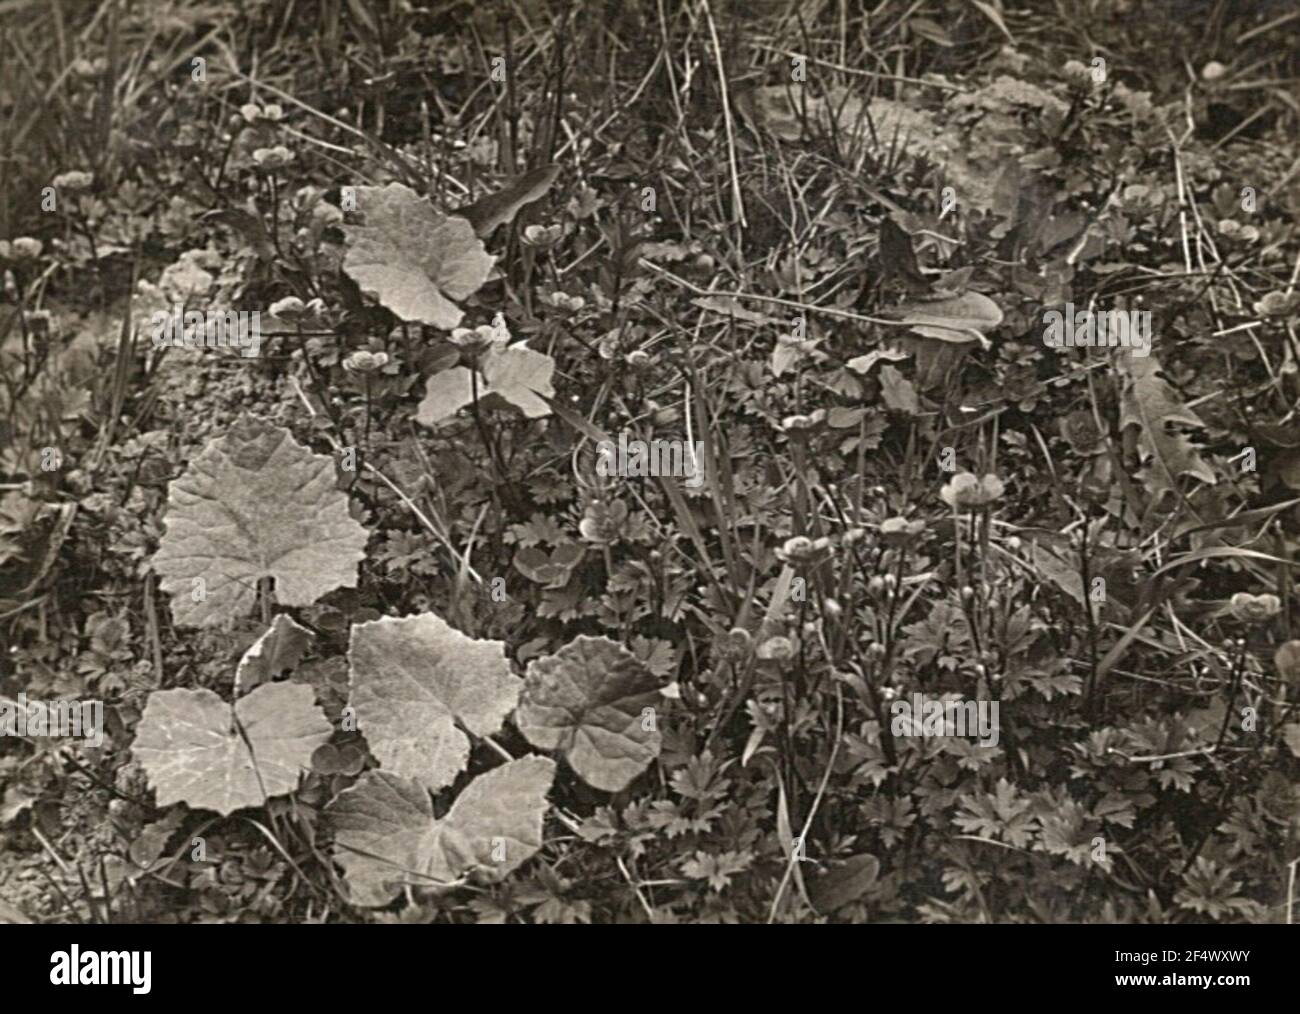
[{"x": 650, "y": 462}]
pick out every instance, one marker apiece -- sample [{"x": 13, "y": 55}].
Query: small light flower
[
  {"x": 542, "y": 236},
  {"x": 965, "y": 489},
  {"x": 295, "y": 311},
  {"x": 563, "y": 301},
  {"x": 776, "y": 649},
  {"x": 603, "y": 522},
  {"x": 900, "y": 531},
  {"x": 273, "y": 112},
  {"x": 1254, "y": 608},
  {"x": 363, "y": 361},
  {"x": 74, "y": 181},
  {"x": 273, "y": 158},
  {"x": 1213, "y": 70},
  {"x": 251, "y": 112},
  {"x": 1278, "y": 304},
  {"x": 288, "y": 308},
  {"x": 475, "y": 341},
  {"x": 27, "y": 248},
  {"x": 801, "y": 551}
]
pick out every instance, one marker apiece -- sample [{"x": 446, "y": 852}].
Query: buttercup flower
[
  {"x": 1254, "y": 608},
  {"x": 966, "y": 489},
  {"x": 273, "y": 158},
  {"x": 84, "y": 68},
  {"x": 363, "y": 361},
  {"x": 603, "y": 522},
  {"x": 563, "y": 301},
  {"x": 803, "y": 551},
  {"x": 73, "y": 181},
  {"x": 293, "y": 309},
  {"x": 25, "y": 248},
  {"x": 776, "y": 649},
  {"x": 481, "y": 338},
  {"x": 543, "y": 236},
  {"x": 289, "y": 307},
  {"x": 1277, "y": 304}
]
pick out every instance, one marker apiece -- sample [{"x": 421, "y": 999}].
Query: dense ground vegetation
[{"x": 809, "y": 244}]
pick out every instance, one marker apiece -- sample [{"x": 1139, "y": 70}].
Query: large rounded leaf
[
  {"x": 414, "y": 260},
  {"x": 386, "y": 836},
  {"x": 255, "y": 504},
  {"x": 199, "y": 750},
  {"x": 588, "y": 700},
  {"x": 413, "y": 679}
]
